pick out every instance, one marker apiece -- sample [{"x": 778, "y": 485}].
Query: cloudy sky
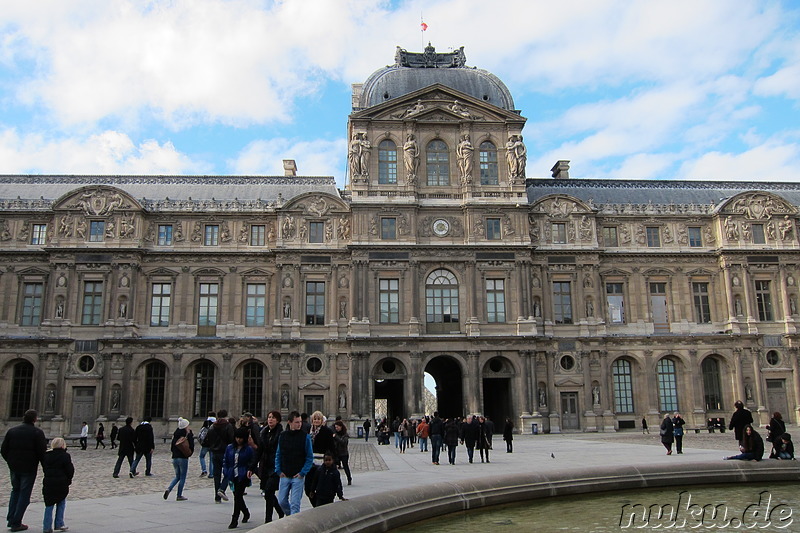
[{"x": 648, "y": 90}]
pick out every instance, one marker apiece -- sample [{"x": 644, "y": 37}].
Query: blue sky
[{"x": 646, "y": 90}]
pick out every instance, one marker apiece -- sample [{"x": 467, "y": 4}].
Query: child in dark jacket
[
  {"x": 328, "y": 484},
  {"x": 58, "y": 472},
  {"x": 238, "y": 465},
  {"x": 783, "y": 449}
]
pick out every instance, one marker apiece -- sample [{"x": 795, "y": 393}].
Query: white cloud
[
  {"x": 314, "y": 158},
  {"x": 772, "y": 161},
  {"x": 109, "y": 152}
]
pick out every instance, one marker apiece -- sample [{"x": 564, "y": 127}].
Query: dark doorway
[
  {"x": 391, "y": 390},
  {"x": 497, "y": 399},
  {"x": 449, "y": 393}
]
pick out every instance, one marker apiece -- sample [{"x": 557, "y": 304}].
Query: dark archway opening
[
  {"x": 497, "y": 400},
  {"x": 449, "y": 392},
  {"x": 391, "y": 390}
]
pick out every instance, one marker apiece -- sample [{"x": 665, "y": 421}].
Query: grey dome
[{"x": 413, "y": 71}]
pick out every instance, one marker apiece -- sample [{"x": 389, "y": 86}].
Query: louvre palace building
[{"x": 573, "y": 304}]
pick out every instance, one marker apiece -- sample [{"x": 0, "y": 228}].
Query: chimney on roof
[
  {"x": 561, "y": 169},
  {"x": 289, "y": 168}
]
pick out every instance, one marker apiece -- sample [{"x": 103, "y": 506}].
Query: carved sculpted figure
[
  {"x": 344, "y": 228},
  {"x": 785, "y": 227},
  {"x": 464, "y": 151},
  {"x": 586, "y": 228},
  {"x": 411, "y": 158},
  {"x": 731, "y": 230},
  {"x": 80, "y": 230},
  {"x": 65, "y": 226},
  {"x": 459, "y": 109},
  {"x": 288, "y": 227},
  {"x": 366, "y": 151},
  {"x": 354, "y": 155},
  {"x": 596, "y": 395},
  {"x": 516, "y": 156},
  {"x": 542, "y": 397}
]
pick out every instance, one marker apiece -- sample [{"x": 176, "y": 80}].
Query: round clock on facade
[{"x": 441, "y": 227}]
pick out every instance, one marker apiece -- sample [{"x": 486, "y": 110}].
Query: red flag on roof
[{"x": 423, "y": 26}]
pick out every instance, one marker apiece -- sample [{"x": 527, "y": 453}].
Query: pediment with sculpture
[
  {"x": 97, "y": 201},
  {"x": 560, "y": 206},
  {"x": 757, "y": 205}
]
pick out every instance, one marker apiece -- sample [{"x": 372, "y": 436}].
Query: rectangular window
[
  {"x": 615, "y": 303},
  {"x": 653, "y": 237},
  {"x": 559, "y": 230},
  {"x": 758, "y": 234},
  {"x": 493, "y": 229},
  {"x": 695, "y": 237},
  {"x": 495, "y": 300},
  {"x": 315, "y": 303},
  {"x": 165, "y": 234},
  {"x": 316, "y": 232},
  {"x": 160, "y": 304},
  {"x": 702, "y": 308},
  {"x": 623, "y": 387},
  {"x": 256, "y": 304},
  {"x": 389, "y": 294},
  {"x": 763, "y": 301},
  {"x": 212, "y": 235},
  {"x": 32, "y": 304},
  {"x": 207, "y": 313},
  {"x": 562, "y": 302},
  {"x": 610, "y": 236},
  {"x": 258, "y": 235},
  {"x": 39, "y": 234},
  {"x": 92, "y": 303},
  {"x": 97, "y": 231},
  {"x": 388, "y": 228}
]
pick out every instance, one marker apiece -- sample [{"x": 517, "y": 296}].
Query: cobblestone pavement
[{"x": 93, "y": 469}]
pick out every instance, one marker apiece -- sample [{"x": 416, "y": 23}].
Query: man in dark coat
[
  {"x": 23, "y": 449},
  {"x": 127, "y": 445},
  {"x": 469, "y": 435},
  {"x": 145, "y": 444},
  {"x": 220, "y": 434},
  {"x": 436, "y": 431},
  {"x": 740, "y": 418}
]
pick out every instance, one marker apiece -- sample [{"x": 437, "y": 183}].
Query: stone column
[
  {"x": 294, "y": 388},
  {"x": 738, "y": 377},
  {"x": 474, "y": 383},
  {"x": 759, "y": 395},
  {"x": 103, "y": 407},
  {"x": 333, "y": 385},
  {"x": 226, "y": 377},
  {"x": 416, "y": 405},
  {"x": 174, "y": 403},
  {"x": 61, "y": 386},
  {"x": 793, "y": 354},
  {"x": 275, "y": 372},
  {"x": 41, "y": 382},
  {"x": 652, "y": 383},
  {"x": 125, "y": 403},
  {"x": 413, "y": 280}
]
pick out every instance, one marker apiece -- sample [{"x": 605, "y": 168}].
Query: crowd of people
[
  {"x": 475, "y": 432},
  {"x": 304, "y": 457}
]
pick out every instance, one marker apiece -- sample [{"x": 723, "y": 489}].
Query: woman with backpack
[{"x": 180, "y": 461}]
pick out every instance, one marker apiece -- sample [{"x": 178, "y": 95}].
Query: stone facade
[{"x": 571, "y": 304}]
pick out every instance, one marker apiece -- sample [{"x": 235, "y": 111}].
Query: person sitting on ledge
[
  {"x": 752, "y": 446},
  {"x": 783, "y": 449}
]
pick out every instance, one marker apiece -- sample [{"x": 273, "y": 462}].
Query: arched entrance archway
[
  {"x": 497, "y": 400},
  {"x": 449, "y": 391},
  {"x": 388, "y": 381}
]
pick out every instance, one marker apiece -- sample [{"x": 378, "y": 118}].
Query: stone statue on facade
[
  {"x": 542, "y": 397},
  {"x": 596, "y": 395},
  {"x": 411, "y": 158},
  {"x": 516, "y": 157},
  {"x": 785, "y": 228},
  {"x": 464, "y": 152}
]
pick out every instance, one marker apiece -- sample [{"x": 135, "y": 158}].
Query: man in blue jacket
[
  {"x": 23, "y": 449},
  {"x": 293, "y": 460}
]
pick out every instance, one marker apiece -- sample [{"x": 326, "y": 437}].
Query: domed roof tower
[{"x": 413, "y": 71}]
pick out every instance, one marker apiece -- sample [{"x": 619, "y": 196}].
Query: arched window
[
  {"x": 488, "y": 159},
  {"x": 155, "y": 387},
  {"x": 438, "y": 163},
  {"x": 203, "y": 388},
  {"x": 21, "y": 389},
  {"x": 252, "y": 388},
  {"x": 712, "y": 384},
  {"x": 623, "y": 386},
  {"x": 387, "y": 162},
  {"x": 441, "y": 297},
  {"x": 667, "y": 385}
]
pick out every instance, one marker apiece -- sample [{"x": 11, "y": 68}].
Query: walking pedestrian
[
  {"x": 484, "y": 443},
  {"x": 469, "y": 435},
  {"x": 266, "y": 464},
  {"x": 423, "y": 434},
  {"x": 667, "y": 433},
  {"x": 451, "y": 436},
  {"x": 367, "y": 425},
  {"x": 84, "y": 436},
  {"x": 145, "y": 444},
  {"x": 180, "y": 462},
  {"x": 328, "y": 484},
  {"x": 341, "y": 440},
  {"x": 436, "y": 431},
  {"x": 237, "y": 466},
  {"x": 508, "y": 435},
  {"x": 113, "y": 436},
  {"x": 677, "y": 427},
  {"x": 645, "y": 429},
  {"x": 740, "y": 418},
  {"x": 127, "y": 445},
  {"x": 23, "y": 449},
  {"x": 219, "y": 436},
  {"x": 100, "y": 436},
  {"x": 201, "y": 440},
  {"x": 58, "y": 472},
  {"x": 293, "y": 460}
]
